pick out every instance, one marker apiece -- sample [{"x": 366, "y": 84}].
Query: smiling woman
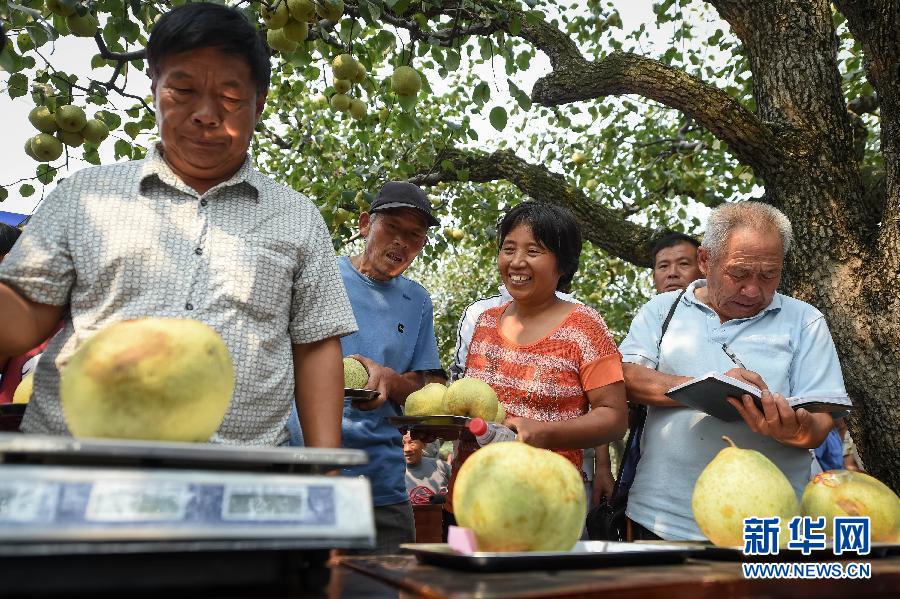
[{"x": 553, "y": 363}]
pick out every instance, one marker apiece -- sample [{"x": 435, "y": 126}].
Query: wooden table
[{"x": 402, "y": 576}]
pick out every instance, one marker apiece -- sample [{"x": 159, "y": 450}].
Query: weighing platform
[{"x": 91, "y": 515}]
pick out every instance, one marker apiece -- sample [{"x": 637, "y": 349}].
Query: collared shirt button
[
  {"x": 189, "y": 306},
  {"x": 203, "y": 202},
  {"x": 198, "y": 251}
]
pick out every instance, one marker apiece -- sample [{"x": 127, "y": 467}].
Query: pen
[{"x": 732, "y": 357}]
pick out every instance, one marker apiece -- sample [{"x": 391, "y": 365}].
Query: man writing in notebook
[{"x": 783, "y": 347}]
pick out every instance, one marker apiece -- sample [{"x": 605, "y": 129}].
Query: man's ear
[
  {"x": 703, "y": 260},
  {"x": 260, "y": 105},
  {"x": 365, "y": 223}
]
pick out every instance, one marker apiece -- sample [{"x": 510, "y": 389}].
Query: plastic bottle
[{"x": 490, "y": 432}]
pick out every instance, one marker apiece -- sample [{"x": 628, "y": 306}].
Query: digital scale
[{"x": 95, "y": 515}]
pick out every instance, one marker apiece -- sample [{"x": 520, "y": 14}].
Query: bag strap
[
  {"x": 637, "y": 416},
  {"x": 665, "y": 324}
]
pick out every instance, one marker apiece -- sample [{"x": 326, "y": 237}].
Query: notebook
[{"x": 707, "y": 393}]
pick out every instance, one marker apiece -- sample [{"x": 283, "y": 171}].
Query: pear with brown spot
[
  {"x": 737, "y": 484},
  {"x": 161, "y": 379}
]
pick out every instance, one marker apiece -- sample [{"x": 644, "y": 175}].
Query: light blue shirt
[{"x": 788, "y": 344}]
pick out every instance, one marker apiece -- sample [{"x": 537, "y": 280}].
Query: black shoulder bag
[{"x": 606, "y": 521}]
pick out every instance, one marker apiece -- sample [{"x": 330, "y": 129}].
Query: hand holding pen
[{"x": 742, "y": 372}]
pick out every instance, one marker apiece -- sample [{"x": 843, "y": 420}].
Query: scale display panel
[{"x": 82, "y": 504}]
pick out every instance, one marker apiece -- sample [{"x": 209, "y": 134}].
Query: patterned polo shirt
[{"x": 251, "y": 258}]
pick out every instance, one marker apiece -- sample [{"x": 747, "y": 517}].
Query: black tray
[
  {"x": 360, "y": 395},
  {"x": 585, "y": 554},
  {"x": 11, "y": 416},
  {"x": 442, "y": 427}
]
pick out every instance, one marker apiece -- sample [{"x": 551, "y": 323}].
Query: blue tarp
[{"x": 12, "y": 218}]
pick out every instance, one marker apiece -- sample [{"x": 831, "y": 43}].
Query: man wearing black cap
[{"x": 395, "y": 342}]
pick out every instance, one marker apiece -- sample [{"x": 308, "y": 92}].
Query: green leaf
[
  {"x": 45, "y": 173},
  {"x": 26, "y": 190},
  {"x": 132, "y": 129},
  {"x": 498, "y": 118},
  {"x": 9, "y": 60},
  {"x": 451, "y": 63},
  {"x": 112, "y": 120},
  {"x": 122, "y": 149},
  {"x": 17, "y": 86},
  {"x": 515, "y": 25}
]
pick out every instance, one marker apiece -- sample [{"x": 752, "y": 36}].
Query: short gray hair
[{"x": 753, "y": 215}]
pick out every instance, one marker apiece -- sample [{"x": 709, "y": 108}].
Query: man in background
[
  {"x": 395, "y": 342},
  {"x": 424, "y": 476},
  {"x": 675, "y": 262}
]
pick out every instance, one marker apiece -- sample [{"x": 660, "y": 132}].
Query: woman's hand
[{"x": 528, "y": 430}]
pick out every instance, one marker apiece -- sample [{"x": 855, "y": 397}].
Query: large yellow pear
[
  {"x": 164, "y": 379},
  {"x": 516, "y": 497},
  {"x": 473, "y": 398},
  {"x": 846, "y": 493},
  {"x": 737, "y": 484},
  {"x": 427, "y": 401}
]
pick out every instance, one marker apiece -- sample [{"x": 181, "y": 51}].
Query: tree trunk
[{"x": 835, "y": 264}]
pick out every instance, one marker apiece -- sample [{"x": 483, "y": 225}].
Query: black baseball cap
[{"x": 400, "y": 194}]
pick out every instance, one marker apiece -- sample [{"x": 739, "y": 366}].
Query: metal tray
[
  {"x": 585, "y": 554},
  {"x": 442, "y": 427},
  {"x": 57, "y": 450},
  {"x": 702, "y": 550}
]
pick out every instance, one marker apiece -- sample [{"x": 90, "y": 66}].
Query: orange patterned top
[{"x": 546, "y": 380}]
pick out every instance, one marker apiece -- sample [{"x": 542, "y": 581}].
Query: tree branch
[
  {"x": 119, "y": 57},
  {"x": 751, "y": 141},
  {"x": 602, "y": 226}
]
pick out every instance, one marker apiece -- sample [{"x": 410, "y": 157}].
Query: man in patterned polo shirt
[{"x": 191, "y": 231}]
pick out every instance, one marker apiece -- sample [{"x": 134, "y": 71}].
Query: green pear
[
  {"x": 737, "y": 484},
  {"x": 355, "y": 374},
  {"x": 357, "y": 109},
  {"x": 406, "y": 81},
  {"x": 343, "y": 66},
  {"x": 83, "y": 25},
  {"x": 278, "y": 40},
  {"x": 515, "y": 497},
  {"x": 70, "y": 118},
  {"x": 296, "y": 31},
  {"x": 360, "y": 73},
  {"x": 846, "y": 493},
  {"x": 340, "y": 102},
  {"x": 473, "y": 398},
  {"x": 341, "y": 86},
  {"x": 95, "y": 131},
  {"x": 73, "y": 139},
  {"x": 29, "y": 152},
  {"x": 302, "y": 10},
  {"x": 427, "y": 401},
  {"x": 330, "y": 9},
  {"x": 46, "y": 147},
  {"x": 277, "y": 16},
  {"x": 43, "y": 120},
  {"x": 63, "y": 9}
]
